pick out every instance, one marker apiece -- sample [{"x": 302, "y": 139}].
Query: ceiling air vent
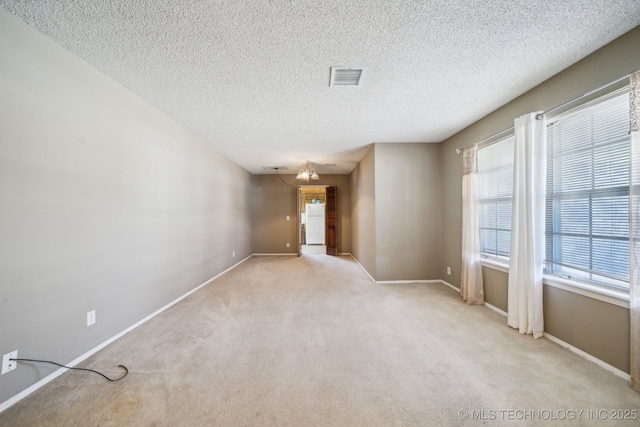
[{"x": 344, "y": 76}]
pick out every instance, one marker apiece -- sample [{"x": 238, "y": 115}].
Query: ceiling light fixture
[{"x": 307, "y": 174}]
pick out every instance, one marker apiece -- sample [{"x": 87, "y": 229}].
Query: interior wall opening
[{"x": 311, "y": 220}]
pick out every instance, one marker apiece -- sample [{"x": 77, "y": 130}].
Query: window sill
[
  {"x": 610, "y": 296},
  {"x": 607, "y": 295},
  {"x": 496, "y": 264}
]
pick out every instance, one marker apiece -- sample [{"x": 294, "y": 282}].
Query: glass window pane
[
  {"x": 587, "y": 211},
  {"x": 495, "y": 185}
]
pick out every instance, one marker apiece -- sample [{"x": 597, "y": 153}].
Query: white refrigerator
[{"x": 314, "y": 226}]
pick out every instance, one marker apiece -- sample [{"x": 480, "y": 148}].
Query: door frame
[
  {"x": 331, "y": 220},
  {"x": 299, "y": 213}
]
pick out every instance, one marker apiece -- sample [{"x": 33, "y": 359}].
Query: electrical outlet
[
  {"x": 287, "y": 217},
  {"x": 91, "y": 317},
  {"x": 9, "y": 365},
  {"x": 449, "y": 271},
  {"x": 288, "y": 245},
  {"x": 233, "y": 253}
]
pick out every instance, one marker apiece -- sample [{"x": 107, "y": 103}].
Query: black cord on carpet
[{"x": 78, "y": 369}]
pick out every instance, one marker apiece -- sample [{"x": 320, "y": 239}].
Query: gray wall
[
  {"x": 396, "y": 211},
  {"x": 598, "y": 328},
  {"x": 363, "y": 212},
  {"x": 105, "y": 204},
  {"x": 495, "y": 287},
  {"x": 272, "y": 201},
  {"x": 407, "y": 211},
  {"x": 610, "y": 343}
]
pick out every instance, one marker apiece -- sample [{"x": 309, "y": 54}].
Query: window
[
  {"x": 495, "y": 185},
  {"x": 587, "y": 196}
]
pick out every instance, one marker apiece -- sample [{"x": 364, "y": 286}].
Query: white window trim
[
  {"x": 500, "y": 264},
  {"x": 599, "y": 293},
  {"x": 622, "y": 93}
]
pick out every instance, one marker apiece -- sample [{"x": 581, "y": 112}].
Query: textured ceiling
[{"x": 252, "y": 77}]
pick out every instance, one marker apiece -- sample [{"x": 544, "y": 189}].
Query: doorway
[
  {"x": 323, "y": 201},
  {"x": 311, "y": 219}
]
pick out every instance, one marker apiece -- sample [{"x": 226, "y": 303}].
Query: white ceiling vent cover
[{"x": 344, "y": 76}]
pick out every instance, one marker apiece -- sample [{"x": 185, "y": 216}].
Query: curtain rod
[{"x": 540, "y": 115}]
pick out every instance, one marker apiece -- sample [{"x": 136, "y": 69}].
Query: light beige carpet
[
  {"x": 311, "y": 341},
  {"x": 314, "y": 249}
]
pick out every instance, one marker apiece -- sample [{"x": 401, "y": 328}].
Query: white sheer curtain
[
  {"x": 526, "y": 260},
  {"x": 471, "y": 282},
  {"x": 634, "y": 228}
]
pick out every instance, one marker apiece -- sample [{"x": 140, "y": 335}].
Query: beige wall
[
  {"x": 363, "y": 212},
  {"x": 272, "y": 201},
  {"x": 396, "y": 212},
  {"x": 407, "y": 211},
  {"x": 598, "y": 328},
  {"x": 495, "y": 287},
  {"x": 105, "y": 204},
  {"x": 620, "y": 57},
  {"x": 108, "y": 205}
]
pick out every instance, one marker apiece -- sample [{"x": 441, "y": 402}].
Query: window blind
[
  {"x": 587, "y": 195},
  {"x": 495, "y": 185}
]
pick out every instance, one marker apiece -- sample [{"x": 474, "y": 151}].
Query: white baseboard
[
  {"x": 486, "y": 304},
  {"x": 363, "y": 269},
  {"x": 615, "y": 371},
  {"x": 390, "y": 282},
  {"x": 393, "y": 282},
  {"x": 444, "y": 282},
  {"x": 11, "y": 401},
  {"x": 294, "y": 253},
  {"x": 276, "y": 254},
  {"x": 496, "y": 309},
  {"x": 26, "y": 392}
]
